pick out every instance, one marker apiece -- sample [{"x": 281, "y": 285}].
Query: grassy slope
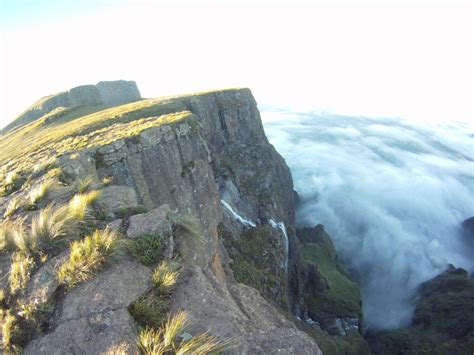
[{"x": 54, "y": 132}]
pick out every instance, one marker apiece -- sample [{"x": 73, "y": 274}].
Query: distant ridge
[{"x": 106, "y": 93}]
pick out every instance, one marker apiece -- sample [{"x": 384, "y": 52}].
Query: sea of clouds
[{"x": 391, "y": 193}]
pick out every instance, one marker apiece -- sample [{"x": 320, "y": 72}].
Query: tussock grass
[
  {"x": 6, "y": 235},
  {"x": 89, "y": 256},
  {"x": 165, "y": 276},
  {"x": 165, "y": 340},
  {"x": 9, "y": 328},
  {"x": 15, "y": 204},
  {"x": 54, "y": 173},
  {"x": 107, "y": 180},
  {"x": 84, "y": 185},
  {"x": 21, "y": 268},
  {"x": 185, "y": 225},
  {"x": 50, "y": 227},
  {"x": 45, "y": 164},
  {"x": 38, "y": 192},
  {"x": 79, "y": 205}
]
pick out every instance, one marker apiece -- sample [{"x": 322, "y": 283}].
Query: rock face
[
  {"x": 330, "y": 302},
  {"x": 93, "y": 318},
  {"x": 216, "y": 166},
  {"x": 443, "y": 322},
  {"x": 104, "y": 93}
]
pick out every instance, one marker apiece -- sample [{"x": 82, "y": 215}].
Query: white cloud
[{"x": 392, "y": 196}]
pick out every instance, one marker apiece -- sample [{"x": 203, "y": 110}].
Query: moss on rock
[{"x": 257, "y": 256}]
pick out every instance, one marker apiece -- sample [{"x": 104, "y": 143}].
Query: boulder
[
  {"x": 93, "y": 318},
  {"x": 443, "y": 321},
  {"x": 115, "y": 199},
  {"x": 153, "y": 222}
]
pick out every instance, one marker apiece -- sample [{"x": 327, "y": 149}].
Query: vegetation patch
[
  {"x": 89, "y": 256},
  {"x": 148, "y": 249},
  {"x": 257, "y": 261},
  {"x": 22, "y": 267},
  {"x": 168, "y": 339}
]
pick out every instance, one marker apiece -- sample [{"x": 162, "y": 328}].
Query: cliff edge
[{"x": 192, "y": 174}]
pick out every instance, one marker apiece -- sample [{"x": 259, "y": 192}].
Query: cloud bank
[{"x": 391, "y": 193}]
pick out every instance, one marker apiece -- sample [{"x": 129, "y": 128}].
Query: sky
[{"x": 410, "y": 59}]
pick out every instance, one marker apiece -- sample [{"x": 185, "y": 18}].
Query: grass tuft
[
  {"x": 21, "y": 269},
  {"x": 15, "y": 204},
  {"x": 6, "y": 235},
  {"x": 84, "y": 185},
  {"x": 165, "y": 340},
  {"x": 165, "y": 276},
  {"x": 9, "y": 328},
  {"x": 49, "y": 228},
  {"x": 185, "y": 225},
  {"x": 107, "y": 180},
  {"x": 79, "y": 205},
  {"x": 88, "y": 256},
  {"x": 39, "y": 192}
]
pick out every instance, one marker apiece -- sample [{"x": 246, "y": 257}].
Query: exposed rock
[
  {"x": 238, "y": 313},
  {"x": 114, "y": 199},
  {"x": 115, "y": 288},
  {"x": 328, "y": 292},
  {"x": 42, "y": 285},
  {"x": 153, "y": 222},
  {"x": 93, "y": 334},
  {"x": 219, "y": 150},
  {"x": 93, "y": 317},
  {"x": 115, "y": 225},
  {"x": 443, "y": 321}
]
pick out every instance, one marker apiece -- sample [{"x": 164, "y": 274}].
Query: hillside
[{"x": 116, "y": 218}]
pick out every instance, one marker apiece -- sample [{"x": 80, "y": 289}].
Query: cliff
[
  {"x": 183, "y": 189},
  {"x": 202, "y": 158}
]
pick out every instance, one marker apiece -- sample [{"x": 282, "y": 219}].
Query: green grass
[
  {"x": 148, "y": 249},
  {"x": 88, "y": 256},
  {"x": 342, "y": 297},
  {"x": 150, "y": 309}
]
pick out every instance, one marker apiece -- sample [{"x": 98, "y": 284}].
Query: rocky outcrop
[
  {"x": 104, "y": 93},
  {"x": 213, "y": 161},
  {"x": 330, "y": 304},
  {"x": 443, "y": 321},
  {"x": 94, "y": 318}
]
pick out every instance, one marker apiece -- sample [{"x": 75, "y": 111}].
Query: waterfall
[
  {"x": 281, "y": 226},
  {"x": 238, "y": 217}
]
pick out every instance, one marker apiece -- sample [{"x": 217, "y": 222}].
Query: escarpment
[
  {"x": 194, "y": 174},
  {"x": 105, "y": 93}
]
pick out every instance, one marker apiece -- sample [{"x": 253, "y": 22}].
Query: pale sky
[{"x": 406, "y": 59}]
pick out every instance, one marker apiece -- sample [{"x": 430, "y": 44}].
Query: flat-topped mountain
[
  {"x": 105, "y": 93},
  {"x": 117, "y": 220}
]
